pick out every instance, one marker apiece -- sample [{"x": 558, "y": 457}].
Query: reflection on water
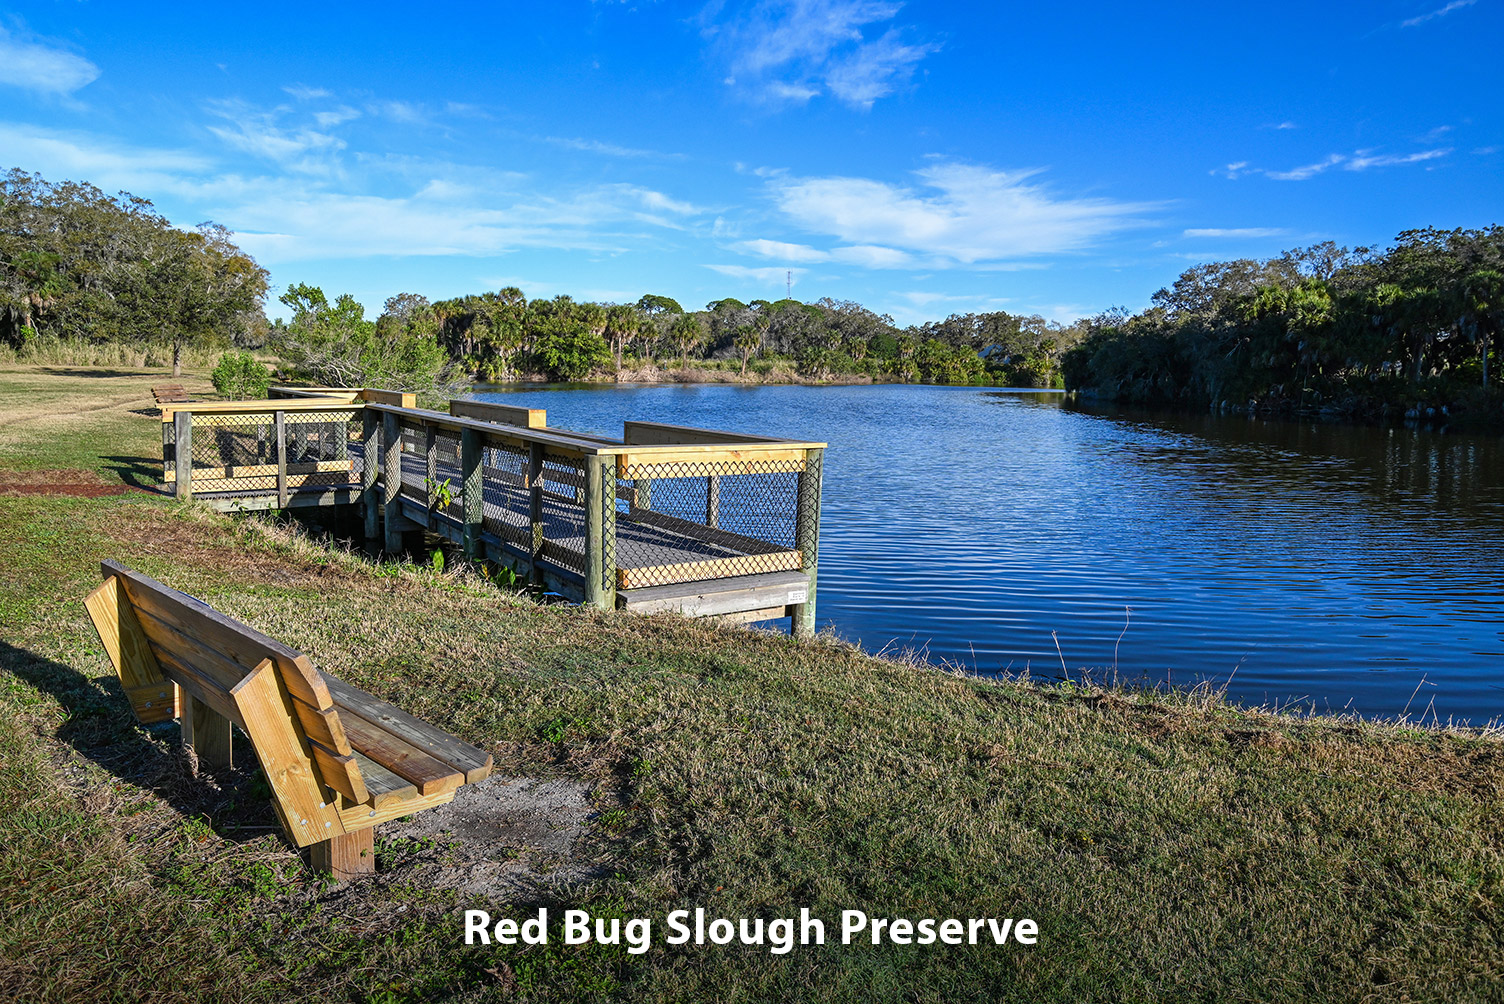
[{"x": 1347, "y": 566}]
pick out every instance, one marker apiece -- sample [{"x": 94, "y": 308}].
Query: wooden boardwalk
[{"x": 700, "y": 521}]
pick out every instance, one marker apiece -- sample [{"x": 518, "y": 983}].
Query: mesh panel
[
  {"x": 238, "y": 452},
  {"x": 564, "y": 511},
  {"x": 447, "y": 474},
  {"x": 685, "y": 522},
  {"x": 507, "y": 503},
  {"x": 414, "y": 462}
]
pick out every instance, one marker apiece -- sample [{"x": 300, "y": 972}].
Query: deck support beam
[
  {"x": 182, "y": 426},
  {"x": 279, "y": 420},
  {"x": 807, "y": 540},
  {"x": 600, "y": 532},
  {"x": 391, "y": 480}
]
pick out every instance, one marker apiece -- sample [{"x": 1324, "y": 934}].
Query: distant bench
[
  {"x": 169, "y": 393},
  {"x": 338, "y": 760}
]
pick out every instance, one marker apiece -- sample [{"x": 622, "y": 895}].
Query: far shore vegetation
[
  {"x": 1169, "y": 844},
  {"x": 1411, "y": 331}
]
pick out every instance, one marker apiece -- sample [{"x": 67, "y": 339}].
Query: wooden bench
[
  {"x": 169, "y": 393},
  {"x": 339, "y": 761}
]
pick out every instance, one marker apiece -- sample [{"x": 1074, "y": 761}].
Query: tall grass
[{"x": 78, "y": 352}]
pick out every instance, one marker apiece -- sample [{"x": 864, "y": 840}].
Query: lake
[{"x": 1336, "y": 567}]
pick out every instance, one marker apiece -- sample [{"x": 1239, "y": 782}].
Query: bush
[{"x": 240, "y": 377}]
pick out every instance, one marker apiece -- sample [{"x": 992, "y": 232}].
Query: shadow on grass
[
  {"x": 144, "y": 473},
  {"x": 101, "y": 728},
  {"x": 74, "y": 371}
]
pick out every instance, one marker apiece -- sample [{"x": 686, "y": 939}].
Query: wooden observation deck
[{"x": 668, "y": 517}]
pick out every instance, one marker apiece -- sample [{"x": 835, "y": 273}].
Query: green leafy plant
[{"x": 238, "y": 376}]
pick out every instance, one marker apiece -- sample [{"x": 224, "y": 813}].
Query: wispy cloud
[
  {"x": 790, "y": 51},
  {"x": 1237, "y": 232},
  {"x": 1438, "y": 12},
  {"x": 767, "y": 276},
  {"x": 607, "y": 149},
  {"x": 305, "y": 93},
  {"x": 40, "y": 66},
  {"x": 1363, "y": 159},
  {"x": 1358, "y": 160},
  {"x": 260, "y": 133},
  {"x": 958, "y": 214}
]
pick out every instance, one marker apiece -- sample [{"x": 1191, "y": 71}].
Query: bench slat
[
  {"x": 473, "y": 762},
  {"x": 339, "y": 772},
  {"x": 384, "y": 787},
  {"x": 242, "y": 644},
  {"x": 198, "y": 685},
  {"x": 401, "y": 758}
]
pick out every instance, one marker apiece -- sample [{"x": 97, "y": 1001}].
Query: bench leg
[
  {"x": 348, "y": 856},
  {"x": 207, "y": 731}
]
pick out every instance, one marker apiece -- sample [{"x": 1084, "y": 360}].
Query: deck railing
[{"x": 587, "y": 515}]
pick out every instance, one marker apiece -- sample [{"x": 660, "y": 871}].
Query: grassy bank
[{"x": 1170, "y": 847}]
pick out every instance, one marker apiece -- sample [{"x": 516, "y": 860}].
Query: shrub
[{"x": 239, "y": 376}]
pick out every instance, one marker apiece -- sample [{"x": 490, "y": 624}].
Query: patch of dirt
[
  {"x": 504, "y": 836},
  {"x": 79, "y": 483}
]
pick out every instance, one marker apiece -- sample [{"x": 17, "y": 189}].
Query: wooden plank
[
  {"x": 349, "y": 856},
  {"x": 361, "y": 816},
  {"x": 264, "y": 470},
  {"x": 562, "y": 443},
  {"x": 699, "y": 531},
  {"x": 401, "y": 758},
  {"x": 195, "y": 684},
  {"x": 719, "y": 596},
  {"x": 370, "y": 470},
  {"x": 268, "y": 483},
  {"x": 595, "y": 543},
  {"x": 472, "y": 762},
  {"x": 210, "y": 408},
  {"x": 339, "y": 772},
  {"x": 500, "y": 414},
  {"x": 152, "y": 695},
  {"x": 752, "y": 616},
  {"x": 265, "y": 706},
  {"x": 716, "y": 568},
  {"x": 667, "y": 461},
  {"x": 208, "y": 732},
  {"x": 322, "y": 725},
  {"x": 183, "y": 453},
  {"x": 383, "y": 788},
  {"x": 280, "y": 433},
  {"x": 660, "y": 434},
  {"x": 396, "y": 398},
  {"x": 242, "y": 644}
]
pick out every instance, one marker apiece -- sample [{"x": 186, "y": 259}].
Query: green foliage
[
  {"x": 76, "y": 264},
  {"x": 239, "y": 377},
  {"x": 334, "y": 345},
  {"x": 1322, "y": 328}
]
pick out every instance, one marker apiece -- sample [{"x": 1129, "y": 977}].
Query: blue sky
[{"x": 920, "y": 158}]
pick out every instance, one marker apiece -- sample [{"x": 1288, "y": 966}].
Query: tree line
[{"x": 1367, "y": 333}]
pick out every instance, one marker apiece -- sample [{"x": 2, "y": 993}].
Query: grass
[{"x": 1170, "y": 846}]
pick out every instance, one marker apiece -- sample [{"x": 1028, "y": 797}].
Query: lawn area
[{"x": 1169, "y": 847}]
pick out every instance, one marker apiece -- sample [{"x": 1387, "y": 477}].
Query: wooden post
[
  {"x": 535, "y": 506},
  {"x": 207, "y": 731},
  {"x": 595, "y": 557},
  {"x": 370, "y": 470},
  {"x": 169, "y": 433},
  {"x": 713, "y": 500},
  {"x": 279, "y": 422},
  {"x": 391, "y": 480},
  {"x": 182, "y": 425},
  {"x": 807, "y": 539},
  {"x": 348, "y": 856},
  {"x": 471, "y": 453}
]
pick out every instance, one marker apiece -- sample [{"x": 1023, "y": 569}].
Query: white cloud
[
  {"x": 771, "y": 276},
  {"x": 37, "y": 66},
  {"x": 305, "y": 93},
  {"x": 959, "y": 214},
  {"x": 1364, "y": 159},
  {"x": 1308, "y": 170},
  {"x": 57, "y": 154},
  {"x": 782, "y": 251},
  {"x": 608, "y": 149},
  {"x": 794, "y": 50},
  {"x": 1439, "y": 12},
  {"x": 1236, "y": 232},
  {"x": 336, "y": 116},
  {"x": 260, "y": 134}
]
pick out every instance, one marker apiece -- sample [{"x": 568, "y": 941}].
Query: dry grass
[{"x": 1170, "y": 846}]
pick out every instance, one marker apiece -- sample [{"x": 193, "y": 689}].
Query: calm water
[{"x": 1337, "y": 565}]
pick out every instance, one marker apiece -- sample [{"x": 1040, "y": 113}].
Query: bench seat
[{"x": 339, "y": 761}]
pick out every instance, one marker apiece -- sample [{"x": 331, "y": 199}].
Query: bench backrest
[
  {"x": 158, "y": 637},
  {"x": 170, "y": 392}
]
